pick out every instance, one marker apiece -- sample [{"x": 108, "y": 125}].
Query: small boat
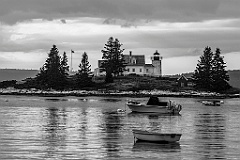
[
  {"x": 118, "y": 111},
  {"x": 212, "y": 102},
  {"x": 155, "y": 106},
  {"x": 150, "y": 146},
  {"x": 156, "y": 137}
]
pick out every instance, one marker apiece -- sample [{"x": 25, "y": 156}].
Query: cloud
[
  {"x": 12, "y": 11},
  {"x": 81, "y": 34},
  {"x": 179, "y": 29}
]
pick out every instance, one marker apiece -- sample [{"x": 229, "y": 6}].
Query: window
[
  {"x": 133, "y": 70},
  {"x": 147, "y": 70},
  {"x": 134, "y": 61},
  {"x": 140, "y": 70},
  {"x": 182, "y": 84}
]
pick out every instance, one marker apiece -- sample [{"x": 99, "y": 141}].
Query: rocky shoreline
[{"x": 115, "y": 93}]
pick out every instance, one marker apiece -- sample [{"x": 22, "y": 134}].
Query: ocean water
[{"x": 88, "y": 128}]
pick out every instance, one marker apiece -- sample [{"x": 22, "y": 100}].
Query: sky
[{"x": 178, "y": 29}]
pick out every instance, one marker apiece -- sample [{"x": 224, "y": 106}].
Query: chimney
[
  {"x": 130, "y": 53},
  {"x": 130, "y": 56}
]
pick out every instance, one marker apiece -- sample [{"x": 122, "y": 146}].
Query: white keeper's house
[{"x": 135, "y": 64}]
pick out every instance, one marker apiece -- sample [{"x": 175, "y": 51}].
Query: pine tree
[
  {"x": 119, "y": 66},
  {"x": 64, "y": 69},
  {"x": 83, "y": 76},
  {"x": 52, "y": 73},
  {"x": 203, "y": 73},
  {"x": 219, "y": 74},
  {"x": 113, "y": 56},
  {"x": 64, "y": 64},
  {"x": 210, "y": 73}
]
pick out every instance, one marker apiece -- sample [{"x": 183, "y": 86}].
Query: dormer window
[{"x": 134, "y": 61}]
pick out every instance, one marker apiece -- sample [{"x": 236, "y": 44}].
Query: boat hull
[
  {"x": 212, "y": 103},
  {"x": 156, "y": 137},
  {"x": 153, "y": 109}
]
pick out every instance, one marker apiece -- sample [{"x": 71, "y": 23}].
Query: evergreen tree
[
  {"x": 64, "y": 69},
  {"x": 219, "y": 74},
  {"x": 203, "y": 73},
  {"x": 118, "y": 59},
  {"x": 113, "y": 62},
  {"x": 210, "y": 73},
  {"x": 82, "y": 77},
  {"x": 64, "y": 65},
  {"x": 52, "y": 75}
]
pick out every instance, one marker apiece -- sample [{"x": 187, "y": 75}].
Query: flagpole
[{"x": 71, "y": 61}]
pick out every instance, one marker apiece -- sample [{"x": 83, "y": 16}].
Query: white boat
[
  {"x": 212, "y": 102},
  {"x": 156, "y": 137},
  {"x": 155, "y": 106}
]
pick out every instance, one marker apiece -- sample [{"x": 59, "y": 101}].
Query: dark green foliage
[
  {"x": 210, "y": 73},
  {"x": 53, "y": 74},
  {"x": 219, "y": 74},
  {"x": 28, "y": 83},
  {"x": 64, "y": 65},
  {"x": 6, "y": 84},
  {"x": 83, "y": 78},
  {"x": 202, "y": 75},
  {"x": 114, "y": 62}
]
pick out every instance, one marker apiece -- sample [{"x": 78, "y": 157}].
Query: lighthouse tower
[{"x": 157, "y": 63}]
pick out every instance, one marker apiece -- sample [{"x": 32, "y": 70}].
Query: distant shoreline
[{"x": 112, "y": 93}]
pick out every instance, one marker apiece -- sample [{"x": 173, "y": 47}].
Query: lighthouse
[{"x": 157, "y": 63}]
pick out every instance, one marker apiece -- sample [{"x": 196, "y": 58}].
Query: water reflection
[
  {"x": 210, "y": 135},
  {"x": 156, "y": 122},
  {"x": 87, "y": 99},
  {"x": 156, "y": 147},
  {"x": 146, "y": 150},
  {"x": 88, "y": 133},
  {"x": 111, "y": 100},
  {"x": 55, "y": 131},
  {"x": 152, "y": 115},
  {"x": 112, "y": 137},
  {"x": 36, "y": 128},
  {"x": 56, "y": 99}
]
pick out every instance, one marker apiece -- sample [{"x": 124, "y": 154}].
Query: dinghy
[{"x": 143, "y": 135}]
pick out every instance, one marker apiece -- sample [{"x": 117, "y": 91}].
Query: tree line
[
  {"x": 209, "y": 75},
  {"x": 54, "y": 74}
]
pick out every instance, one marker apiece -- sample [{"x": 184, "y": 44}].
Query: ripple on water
[{"x": 85, "y": 128}]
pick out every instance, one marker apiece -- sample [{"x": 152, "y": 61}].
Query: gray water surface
[{"x": 87, "y": 128}]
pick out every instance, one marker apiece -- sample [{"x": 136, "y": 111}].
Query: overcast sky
[{"x": 178, "y": 29}]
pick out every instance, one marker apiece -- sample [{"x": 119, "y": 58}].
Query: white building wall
[
  {"x": 157, "y": 68},
  {"x": 154, "y": 70},
  {"x": 134, "y": 70},
  {"x": 149, "y": 71}
]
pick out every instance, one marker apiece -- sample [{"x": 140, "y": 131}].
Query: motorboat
[
  {"x": 212, "y": 102},
  {"x": 155, "y": 106},
  {"x": 142, "y": 135}
]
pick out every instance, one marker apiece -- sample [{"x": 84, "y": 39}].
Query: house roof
[
  {"x": 148, "y": 65},
  {"x": 134, "y": 65},
  {"x": 140, "y": 59},
  {"x": 182, "y": 77}
]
